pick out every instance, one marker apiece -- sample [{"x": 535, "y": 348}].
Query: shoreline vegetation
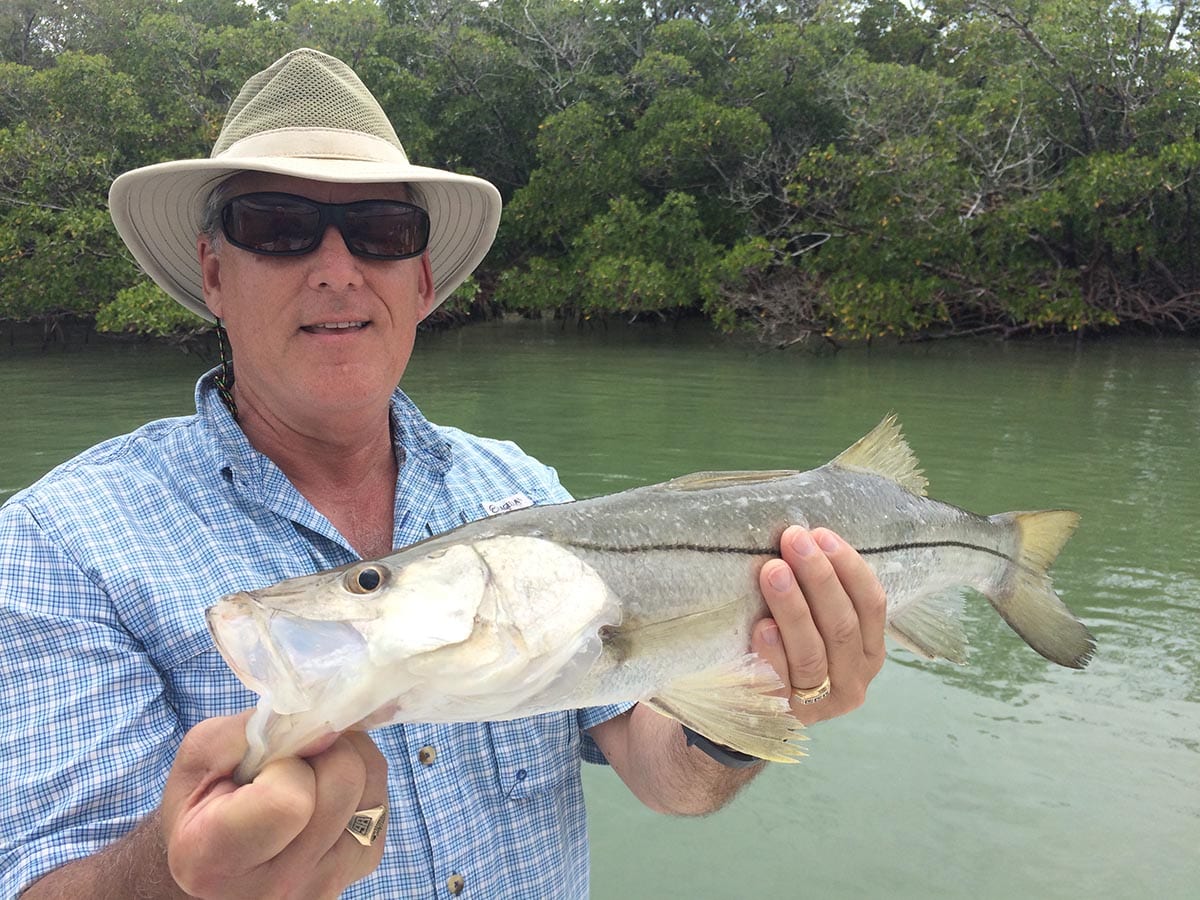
[
  {"x": 73, "y": 333},
  {"x": 811, "y": 172}
]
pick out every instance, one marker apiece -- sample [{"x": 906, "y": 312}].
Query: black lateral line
[
  {"x": 774, "y": 551},
  {"x": 920, "y": 545},
  {"x": 666, "y": 548}
]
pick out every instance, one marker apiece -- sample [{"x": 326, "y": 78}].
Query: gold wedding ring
[
  {"x": 366, "y": 824},
  {"x": 812, "y": 695}
]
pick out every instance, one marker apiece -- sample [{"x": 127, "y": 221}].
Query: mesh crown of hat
[{"x": 305, "y": 89}]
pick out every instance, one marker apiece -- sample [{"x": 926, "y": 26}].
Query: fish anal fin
[
  {"x": 931, "y": 627},
  {"x": 732, "y": 704},
  {"x": 704, "y": 481},
  {"x": 883, "y": 451}
]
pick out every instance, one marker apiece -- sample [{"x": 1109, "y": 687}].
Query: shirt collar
[
  {"x": 417, "y": 437},
  {"x": 413, "y": 436}
]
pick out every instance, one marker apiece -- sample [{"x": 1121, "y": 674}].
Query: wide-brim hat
[{"x": 308, "y": 116}]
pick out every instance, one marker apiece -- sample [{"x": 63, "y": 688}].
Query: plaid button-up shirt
[{"x": 106, "y": 567}]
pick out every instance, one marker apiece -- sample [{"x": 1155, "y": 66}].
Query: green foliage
[
  {"x": 628, "y": 260},
  {"x": 687, "y": 140},
  {"x": 346, "y": 29},
  {"x": 57, "y": 261},
  {"x": 144, "y": 309},
  {"x": 73, "y": 127},
  {"x": 581, "y": 162},
  {"x": 841, "y": 169},
  {"x": 461, "y": 304},
  {"x": 895, "y": 32},
  {"x": 959, "y": 197}
]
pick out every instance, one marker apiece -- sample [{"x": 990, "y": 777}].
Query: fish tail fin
[{"x": 1025, "y": 597}]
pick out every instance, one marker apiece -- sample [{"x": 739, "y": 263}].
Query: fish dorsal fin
[
  {"x": 732, "y": 704},
  {"x": 883, "y": 451},
  {"x": 703, "y": 481}
]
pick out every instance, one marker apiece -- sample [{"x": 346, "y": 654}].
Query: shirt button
[
  {"x": 455, "y": 883},
  {"x": 426, "y": 755}
]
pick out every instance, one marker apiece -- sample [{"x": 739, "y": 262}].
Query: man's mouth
[{"x": 333, "y": 327}]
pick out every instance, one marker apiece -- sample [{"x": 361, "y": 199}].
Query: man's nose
[{"x": 333, "y": 265}]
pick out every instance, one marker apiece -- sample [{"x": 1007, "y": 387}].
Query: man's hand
[
  {"x": 282, "y": 835},
  {"x": 828, "y": 612}
]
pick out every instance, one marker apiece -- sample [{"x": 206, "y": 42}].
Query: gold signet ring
[
  {"x": 366, "y": 824},
  {"x": 812, "y": 695}
]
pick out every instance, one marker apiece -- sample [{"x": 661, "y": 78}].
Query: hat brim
[{"x": 158, "y": 212}]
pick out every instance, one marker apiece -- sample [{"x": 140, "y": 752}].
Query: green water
[{"x": 1005, "y": 778}]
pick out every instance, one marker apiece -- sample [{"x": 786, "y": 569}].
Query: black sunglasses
[{"x": 286, "y": 225}]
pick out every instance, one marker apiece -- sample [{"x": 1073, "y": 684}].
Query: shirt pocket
[
  {"x": 535, "y": 755},
  {"x": 197, "y": 683}
]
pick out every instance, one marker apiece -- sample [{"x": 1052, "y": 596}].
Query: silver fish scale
[{"x": 691, "y": 558}]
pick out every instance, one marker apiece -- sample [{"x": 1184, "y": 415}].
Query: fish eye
[{"x": 364, "y": 580}]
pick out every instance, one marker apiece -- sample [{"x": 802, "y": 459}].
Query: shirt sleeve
[
  {"x": 86, "y": 734},
  {"x": 589, "y": 750}
]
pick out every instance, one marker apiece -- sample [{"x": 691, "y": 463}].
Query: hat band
[{"x": 315, "y": 143}]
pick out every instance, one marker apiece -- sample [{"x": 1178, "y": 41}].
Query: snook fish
[{"x": 648, "y": 595}]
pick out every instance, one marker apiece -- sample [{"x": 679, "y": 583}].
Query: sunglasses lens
[
  {"x": 286, "y": 225},
  {"x": 272, "y": 223},
  {"x": 385, "y": 229}
]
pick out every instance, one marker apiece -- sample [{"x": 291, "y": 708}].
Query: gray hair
[{"x": 210, "y": 216}]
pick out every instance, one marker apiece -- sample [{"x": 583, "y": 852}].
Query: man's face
[{"x": 322, "y": 333}]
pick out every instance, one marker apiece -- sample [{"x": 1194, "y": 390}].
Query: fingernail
[
  {"x": 780, "y": 578},
  {"x": 770, "y": 634},
  {"x": 802, "y": 543},
  {"x": 829, "y": 541}
]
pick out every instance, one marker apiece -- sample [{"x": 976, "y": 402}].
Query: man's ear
[
  {"x": 210, "y": 273},
  {"x": 426, "y": 290}
]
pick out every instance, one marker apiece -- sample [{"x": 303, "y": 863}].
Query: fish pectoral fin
[
  {"x": 732, "y": 704},
  {"x": 635, "y": 637},
  {"x": 703, "y": 481},
  {"x": 932, "y": 627},
  {"x": 883, "y": 451}
]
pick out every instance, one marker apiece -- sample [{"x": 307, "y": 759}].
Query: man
[{"x": 316, "y": 244}]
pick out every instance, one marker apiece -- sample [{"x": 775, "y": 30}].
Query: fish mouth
[{"x": 290, "y": 660}]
